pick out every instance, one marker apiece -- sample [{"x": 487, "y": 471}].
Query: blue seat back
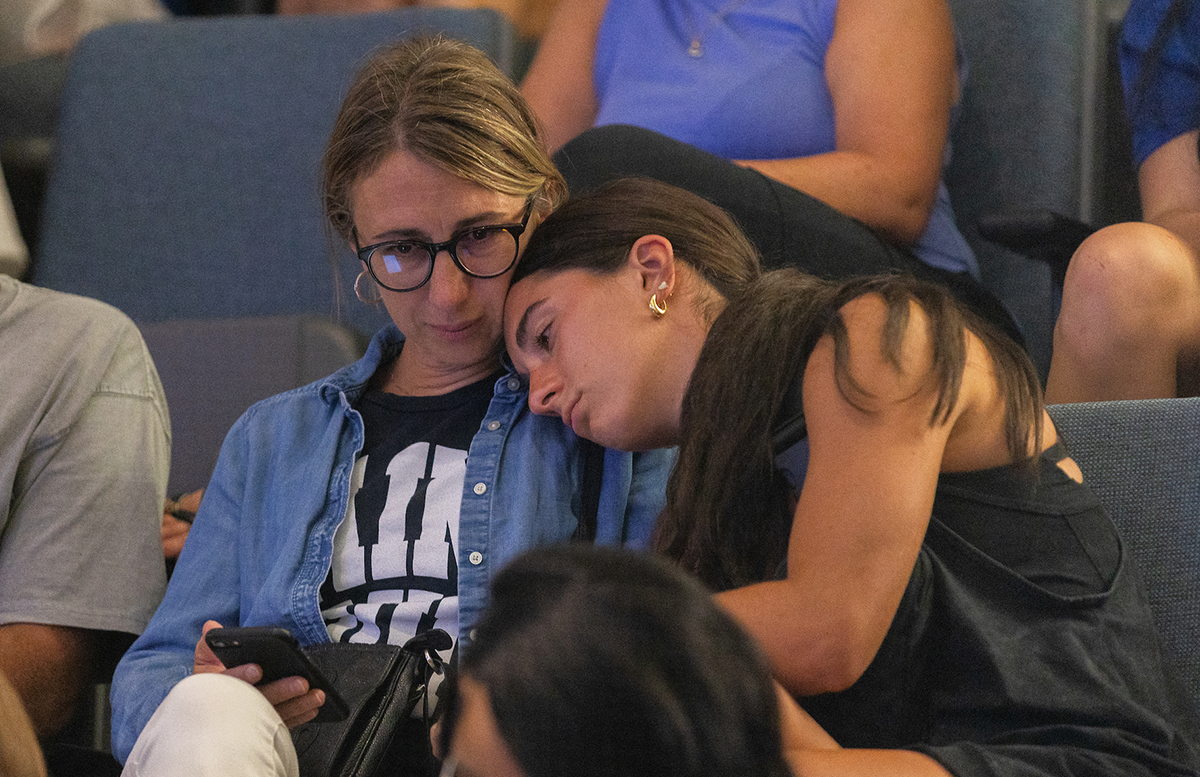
[
  {"x": 185, "y": 181},
  {"x": 1027, "y": 136},
  {"x": 213, "y": 369},
  {"x": 1142, "y": 458}
]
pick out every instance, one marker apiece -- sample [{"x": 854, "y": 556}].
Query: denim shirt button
[
  {"x": 480, "y": 488},
  {"x": 493, "y": 426},
  {"x": 513, "y": 384},
  {"x": 475, "y": 558}
]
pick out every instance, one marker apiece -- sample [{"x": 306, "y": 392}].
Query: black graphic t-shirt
[{"x": 395, "y": 565}]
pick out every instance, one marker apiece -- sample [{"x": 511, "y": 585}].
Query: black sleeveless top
[{"x": 1024, "y": 643}]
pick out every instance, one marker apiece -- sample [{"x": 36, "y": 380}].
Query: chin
[{"x": 620, "y": 441}]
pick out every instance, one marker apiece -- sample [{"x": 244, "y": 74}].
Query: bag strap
[{"x": 423, "y": 648}]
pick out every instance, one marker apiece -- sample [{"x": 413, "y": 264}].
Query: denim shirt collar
[
  {"x": 385, "y": 346},
  {"x": 352, "y": 380}
]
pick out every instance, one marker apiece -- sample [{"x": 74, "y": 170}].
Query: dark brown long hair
[{"x": 728, "y": 515}]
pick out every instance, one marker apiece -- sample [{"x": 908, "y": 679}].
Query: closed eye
[{"x": 542, "y": 340}]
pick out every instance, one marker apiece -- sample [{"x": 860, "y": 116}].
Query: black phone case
[{"x": 279, "y": 655}]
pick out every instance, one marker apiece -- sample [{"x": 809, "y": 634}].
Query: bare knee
[{"x": 1128, "y": 284}]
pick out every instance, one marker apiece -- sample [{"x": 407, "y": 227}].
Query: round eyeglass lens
[
  {"x": 400, "y": 265},
  {"x": 486, "y": 252}
]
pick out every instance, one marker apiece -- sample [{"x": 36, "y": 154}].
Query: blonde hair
[
  {"x": 20, "y": 754},
  {"x": 445, "y": 102}
]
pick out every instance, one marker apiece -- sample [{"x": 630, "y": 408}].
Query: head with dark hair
[
  {"x": 596, "y": 231},
  {"x": 627, "y": 375},
  {"x": 606, "y": 265},
  {"x": 601, "y": 662}
]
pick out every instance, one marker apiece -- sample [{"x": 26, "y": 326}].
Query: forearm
[
  {"x": 811, "y": 752},
  {"x": 147, "y": 672},
  {"x": 863, "y": 763},
  {"x": 1169, "y": 184},
  {"x": 798, "y": 729},
  {"x": 558, "y": 85},
  {"x": 1184, "y": 223},
  {"x": 204, "y": 585},
  {"x": 813, "y": 647},
  {"x": 49, "y": 666},
  {"x": 855, "y": 183}
]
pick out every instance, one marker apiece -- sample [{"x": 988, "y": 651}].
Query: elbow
[
  {"x": 52, "y": 718},
  {"x": 52, "y": 708},
  {"x": 831, "y": 662},
  {"x": 909, "y": 220},
  {"x": 904, "y": 198},
  {"x": 837, "y": 673}
]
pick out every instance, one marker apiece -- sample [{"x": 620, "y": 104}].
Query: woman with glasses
[{"x": 376, "y": 504}]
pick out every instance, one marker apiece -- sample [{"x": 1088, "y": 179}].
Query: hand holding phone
[{"x": 278, "y": 654}]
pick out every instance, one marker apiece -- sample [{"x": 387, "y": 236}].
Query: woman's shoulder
[
  {"x": 886, "y": 352},
  {"x": 896, "y": 352}
]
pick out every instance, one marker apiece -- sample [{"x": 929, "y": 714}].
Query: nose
[
  {"x": 448, "y": 285},
  {"x": 545, "y": 391}
]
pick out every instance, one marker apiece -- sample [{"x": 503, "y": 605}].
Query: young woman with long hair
[{"x": 868, "y": 480}]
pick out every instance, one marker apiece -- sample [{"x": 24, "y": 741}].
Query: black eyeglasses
[{"x": 481, "y": 252}]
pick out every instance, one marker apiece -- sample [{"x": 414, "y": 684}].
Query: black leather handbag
[{"x": 384, "y": 686}]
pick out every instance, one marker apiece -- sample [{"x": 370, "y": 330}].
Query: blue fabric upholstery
[
  {"x": 212, "y": 370},
  {"x": 1024, "y": 139},
  {"x": 1142, "y": 458},
  {"x": 186, "y": 177}
]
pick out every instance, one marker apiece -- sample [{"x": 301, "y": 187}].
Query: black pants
[{"x": 789, "y": 227}]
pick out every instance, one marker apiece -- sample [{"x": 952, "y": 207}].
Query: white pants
[{"x": 213, "y": 725}]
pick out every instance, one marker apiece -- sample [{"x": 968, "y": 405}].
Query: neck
[{"x": 410, "y": 377}]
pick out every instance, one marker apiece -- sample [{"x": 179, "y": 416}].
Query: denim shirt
[{"x": 262, "y": 541}]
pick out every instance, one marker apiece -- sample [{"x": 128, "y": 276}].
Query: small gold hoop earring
[
  {"x": 370, "y": 299},
  {"x": 659, "y": 308}
]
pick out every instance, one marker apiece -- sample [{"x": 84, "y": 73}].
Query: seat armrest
[{"x": 1040, "y": 234}]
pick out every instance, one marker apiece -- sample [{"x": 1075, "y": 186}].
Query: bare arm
[
  {"x": 863, "y": 763},
  {"x": 890, "y": 70},
  {"x": 49, "y": 666},
  {"x": 1169, "y": 182},
  {"x": 559, "y": 83},
  {"x": 811, "y": 752},
  {"x": 862, "y": 513}
]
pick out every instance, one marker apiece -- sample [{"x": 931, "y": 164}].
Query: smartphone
[{"x": 279, "y": 655}]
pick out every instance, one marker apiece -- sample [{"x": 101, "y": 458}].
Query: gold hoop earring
[
  {"x": 370, "y": 299},
  {"x": 659, "y": 308}
]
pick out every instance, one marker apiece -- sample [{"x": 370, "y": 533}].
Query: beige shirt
[
  {"x": 84, "y": 450},
  {"x": 31, "y": 28}
]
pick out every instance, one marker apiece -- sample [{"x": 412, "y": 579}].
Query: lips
[
  {"x": 568, "y": 413},
  {"x": 455, "y": 330}
]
